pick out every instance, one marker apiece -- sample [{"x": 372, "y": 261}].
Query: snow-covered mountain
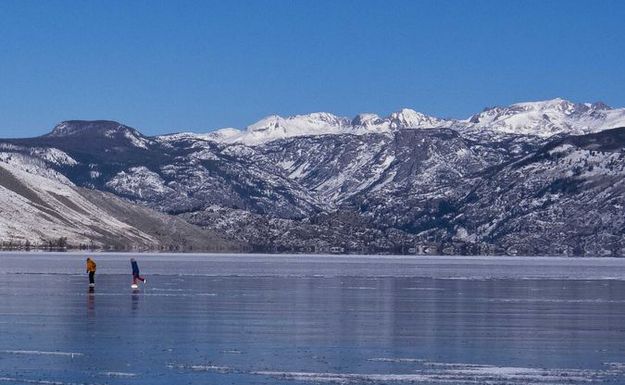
[
  {"x": 322, "y": 123},
  {"x": 531, "y": 178},
  {"x": 544, "y": 119},
  {"x": 548, "y": 118}
]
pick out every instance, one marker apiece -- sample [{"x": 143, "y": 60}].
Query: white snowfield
[
  {"x": 322, "y": 123},
  {"x": 548, "y": 118},
  {"x": 542, "y": 118}
]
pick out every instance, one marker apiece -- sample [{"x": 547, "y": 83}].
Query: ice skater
[
  {"x": 91, "y": 270},
  {"x": 135, "y": 272}
]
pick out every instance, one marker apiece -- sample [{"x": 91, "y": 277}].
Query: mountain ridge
[
  {"x": 452, "y": 189},
  {"x": 541, "y": 118}
]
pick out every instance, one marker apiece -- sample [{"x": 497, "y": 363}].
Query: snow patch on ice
[
  {"x": 41, "y": 353},
  {"x": 202, "y": 368},
  {"x": 615, "y": 365},
  {"x": 232, "y": 351},
  {"x": 383, "y": 359},
  {"x": 16, "y": 380},
  {"x": 118, "y": 374},
  {"x": 456, "y": 373}
]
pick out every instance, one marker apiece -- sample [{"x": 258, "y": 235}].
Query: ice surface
[{"x": 253, "y": 319}]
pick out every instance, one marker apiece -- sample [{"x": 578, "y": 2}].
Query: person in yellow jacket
[{"x": 91, "y": 270}]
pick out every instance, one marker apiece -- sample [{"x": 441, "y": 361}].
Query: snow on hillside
[
  {"x": 53, "y": 156},
  {"x": 38, "y": 208},
  {"x": 36, "y": 161},
  {"x": 136, "y": 140},
  {"x": 138, "y": 181}
]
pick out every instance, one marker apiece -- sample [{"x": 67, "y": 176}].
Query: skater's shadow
[
  {"x": 134, "y": 301},
  {"x": 91, "y": 302}
]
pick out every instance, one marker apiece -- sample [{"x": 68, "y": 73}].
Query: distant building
[{"x": 428, "y": 248}]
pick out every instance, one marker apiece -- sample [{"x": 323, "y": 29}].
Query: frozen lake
[{"x": 220, "y": 319}]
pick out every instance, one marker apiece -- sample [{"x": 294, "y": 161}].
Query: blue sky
[{"x": 168, "y": 66}]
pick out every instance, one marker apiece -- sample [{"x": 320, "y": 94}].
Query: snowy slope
[
  {"x": 276, "y": 127},
  {"x": 567, "y": 198},
  {"x": 39, "y": 206},
  {"x": 41, "y": 209}
]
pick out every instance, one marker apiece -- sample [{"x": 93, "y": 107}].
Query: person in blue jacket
[{"x": 135, "y": 272}]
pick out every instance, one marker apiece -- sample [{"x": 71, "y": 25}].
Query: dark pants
[{"x": 92, "y": 277}]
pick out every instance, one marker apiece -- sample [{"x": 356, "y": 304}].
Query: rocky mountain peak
[
  {"x": 98, "y": 129},
  {"x": 92, "y": 127},
  {"x": 367, "y": 120},
  {"x": 599, "y": 105},
  {"x": 315, "y": 121},
  {"x": 408, "y": 118}
]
